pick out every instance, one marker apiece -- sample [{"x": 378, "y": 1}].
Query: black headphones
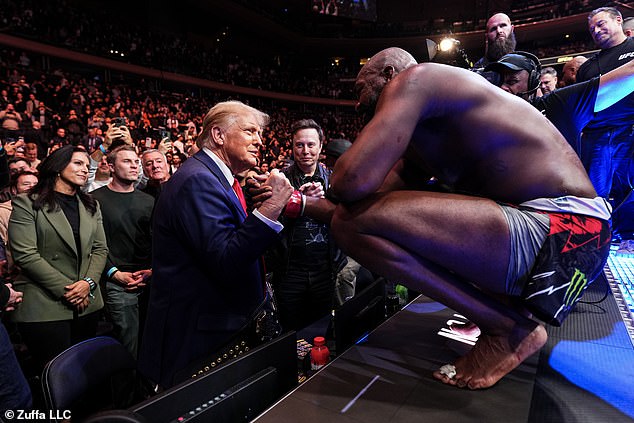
[{"x": 534, "y": 75}]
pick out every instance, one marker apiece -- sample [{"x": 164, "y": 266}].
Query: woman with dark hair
[{"x": 58, "y": 242}]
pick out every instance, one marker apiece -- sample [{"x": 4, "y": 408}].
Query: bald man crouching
[{"x": 515, "y": 241}]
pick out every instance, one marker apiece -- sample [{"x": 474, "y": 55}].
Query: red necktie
[{"x": 238, "y": 190}]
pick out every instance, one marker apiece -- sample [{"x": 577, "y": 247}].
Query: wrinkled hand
[
  {"x": 313, "y": 189},
  {"x": 257, "y": 191},
  {"x": 77, "y": 294},
  {"x": 281, "y": 190},
  {"x": 15, "y": 298}
]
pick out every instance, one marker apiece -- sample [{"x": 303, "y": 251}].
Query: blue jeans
[
  {"x": 608, "y": 156},
  {"x": 122, "y": 309},
  {"x": 15, "y": 393}
]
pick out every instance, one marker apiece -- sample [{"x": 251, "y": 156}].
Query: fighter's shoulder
[
  {"x": 435, "y": 74},
  {"x": 424, "y": 68},
  {"x": 417, "y": 78}
]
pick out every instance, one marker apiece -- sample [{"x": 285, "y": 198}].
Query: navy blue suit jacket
[{"x": 207, "y": 278}]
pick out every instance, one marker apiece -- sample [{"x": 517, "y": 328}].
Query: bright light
[{"x": 447, "y": 44}]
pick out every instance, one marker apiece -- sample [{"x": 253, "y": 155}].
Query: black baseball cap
[{"x": 512, "y": 61}]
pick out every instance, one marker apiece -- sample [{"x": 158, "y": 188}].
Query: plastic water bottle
[{"x": 319, "y": 354}]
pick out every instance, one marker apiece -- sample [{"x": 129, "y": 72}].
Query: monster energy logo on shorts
[{"x": 578, "y": 283}]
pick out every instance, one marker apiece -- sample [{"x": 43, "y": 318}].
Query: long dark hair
[{"x": 43, "y": 193}]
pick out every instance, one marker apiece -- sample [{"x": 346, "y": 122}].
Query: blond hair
[{"x": 225, "y": 114}]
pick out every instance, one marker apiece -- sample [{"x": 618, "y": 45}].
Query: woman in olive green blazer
[{"x": 58, "y": 242}]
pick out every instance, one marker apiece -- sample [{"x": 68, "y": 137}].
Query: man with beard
[
  {"x": 500, "y": 238},
  {"x": 499, "y": 39}
]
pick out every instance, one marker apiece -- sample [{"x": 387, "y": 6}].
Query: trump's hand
[{"x": 281, "y": 190}]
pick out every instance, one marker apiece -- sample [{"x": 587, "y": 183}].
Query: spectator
[
  {"x": 59, "y": 140},
  {"x": 59, "y": 245},
  {"x": 126, "y": 220},
  {"x": 36, "y": 135},
  {"x": 177, "y": 160},
  {"x": 155, "y": 167},
  {"x": 11, "y": 120},
  {"x": 75, "y": 129},
  {"x": 91, "y": 141},
  {"x": 31, "y": 105},
  {"x": 499, "y": 39},
  {"x": 115, "y": 137},
  {"x": 21, "y": 183},
  {"x": 44, "y": 117},
  {"x": 18, "y": 164},
  {"x": 306, "y": 260},
  {"x": 102, "y": 175},
  {"x": 206, "y": 248},
  {"x": 569, "y": 71},
  {"x": 31, "y": 153},
  {"x": 19, "y": 104},
  {"x": 607, "y": 142},
  {"x": 4, "y": 99},
  {"x": 548, "y": 80}
]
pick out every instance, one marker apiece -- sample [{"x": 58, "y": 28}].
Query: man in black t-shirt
[
  {"x": 126, "y": 220},
  {"x": 607, "y": 142},
  {"x": 305, "y": 261}
]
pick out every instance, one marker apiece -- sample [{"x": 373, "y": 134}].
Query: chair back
[{"x": 84, "y": 367}]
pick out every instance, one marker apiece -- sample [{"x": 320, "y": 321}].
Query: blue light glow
[{"x": 586, "y": 365}]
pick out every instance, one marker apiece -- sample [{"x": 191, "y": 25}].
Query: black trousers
[
  {"x": 45, "y": 340},
  {"x": 304, "y": 296}
]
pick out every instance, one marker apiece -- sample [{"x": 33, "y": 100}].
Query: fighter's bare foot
[{"x": 493, "y": 357}]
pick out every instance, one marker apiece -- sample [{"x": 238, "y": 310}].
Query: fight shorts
[{"x": 572, "y": 255}]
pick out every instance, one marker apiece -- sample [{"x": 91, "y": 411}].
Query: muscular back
[{"x": 468, "y": 133}]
